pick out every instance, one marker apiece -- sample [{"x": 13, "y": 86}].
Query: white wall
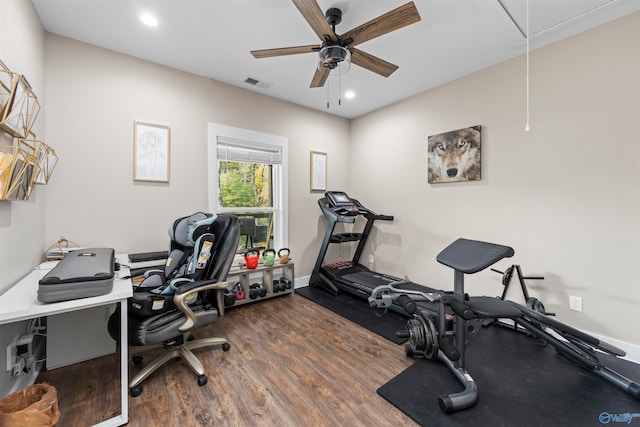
[
  {"x": 565, "y": 195},
  {"x": 21, "y": 222}
]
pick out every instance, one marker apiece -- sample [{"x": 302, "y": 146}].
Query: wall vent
[{"x": 255, "y": 82}]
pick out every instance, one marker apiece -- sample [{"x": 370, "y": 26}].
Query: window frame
[{"x": 280, "y": 180}]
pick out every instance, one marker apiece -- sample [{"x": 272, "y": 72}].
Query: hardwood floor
[{"x": 292, "y": 363}]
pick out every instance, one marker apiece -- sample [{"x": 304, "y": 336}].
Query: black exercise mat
[
  {"x": 520, "y": 383},
  {"x": 358, "y": 311}
]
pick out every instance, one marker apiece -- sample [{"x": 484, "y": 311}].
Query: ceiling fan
[{"x": 336, "y": 49}]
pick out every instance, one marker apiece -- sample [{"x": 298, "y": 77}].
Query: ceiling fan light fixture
[
  {"x": 149, "y": 20},
  {"x": 335, "y": 57}
]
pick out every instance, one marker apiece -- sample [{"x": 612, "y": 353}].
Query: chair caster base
[
  {"x": 202, "y": 380},
  {"x": 135, "y": 391},
  {"x": 226, "y": 346}
]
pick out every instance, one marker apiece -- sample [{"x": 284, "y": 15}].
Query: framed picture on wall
[
  {"x": 318, "y": 171},
  {"x": 454, "y": 156},
  {"x": 151, "y": 152}
]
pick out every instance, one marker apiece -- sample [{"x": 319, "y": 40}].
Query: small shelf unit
[{"x": 262, "y": 275}]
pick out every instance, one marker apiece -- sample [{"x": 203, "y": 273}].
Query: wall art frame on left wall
[
  {"x": 151, "y": 155},
  {"x": 318, "y": 171}
]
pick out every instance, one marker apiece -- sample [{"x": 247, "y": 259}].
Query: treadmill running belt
[{"x": 368, "y": 279}]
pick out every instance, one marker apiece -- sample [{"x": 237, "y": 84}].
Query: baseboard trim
[
  {"x": 301, "y": 282},
  {"x": 633, "y": 350}
]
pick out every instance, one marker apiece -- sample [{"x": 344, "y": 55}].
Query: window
[{"x": 248, "y": 178}]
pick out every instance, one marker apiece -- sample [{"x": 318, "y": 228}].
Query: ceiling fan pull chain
[
  {"x": 526, "y": 126},
  {"x": 328, "y": 93},
  {"x": 339, "y": 89}
]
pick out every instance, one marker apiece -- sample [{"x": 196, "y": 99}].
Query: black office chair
[
  {"x": 247, "y": 230},
  {"x": 170, "y": 303}
]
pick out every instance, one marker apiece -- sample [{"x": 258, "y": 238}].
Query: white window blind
[{"x": 232, "y": 150}]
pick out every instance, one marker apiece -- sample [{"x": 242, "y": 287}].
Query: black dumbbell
[
  {"x": 276, "y": 286},
  {"x": 254, "y": 290},
  {"x": 285, "y": 283}
]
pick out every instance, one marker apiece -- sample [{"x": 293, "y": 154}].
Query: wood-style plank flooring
[{"x": 292, "y": 363}]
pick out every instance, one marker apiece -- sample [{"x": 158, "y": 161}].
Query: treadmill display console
[
  {"x": 341, "y": 203},
  {"x": 339, "y": 198}
]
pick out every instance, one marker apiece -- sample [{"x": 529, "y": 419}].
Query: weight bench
[{"x": 443, "y": 333}]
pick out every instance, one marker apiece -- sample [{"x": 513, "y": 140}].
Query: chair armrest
[
  {"x": 200, "y": 285},
  {"x": 152, "y": 272},
  {"x": 183, "y": 291}
]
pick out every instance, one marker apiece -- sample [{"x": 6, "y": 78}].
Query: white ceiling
[{"x": 212, "y": 38}]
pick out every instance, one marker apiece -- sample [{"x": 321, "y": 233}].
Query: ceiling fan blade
[
  {"x": 372, "y": 63},
  {"x": 320, "y": 77},
  {"x": 390, "y": 21},
  {"x": 316, "y": 19},
  {"x": 267, "y": 53}
]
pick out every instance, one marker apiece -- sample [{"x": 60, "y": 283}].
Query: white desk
[{"x": 21, "y": 303}]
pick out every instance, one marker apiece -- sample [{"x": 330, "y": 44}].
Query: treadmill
[{"x": 351, "y": 276}]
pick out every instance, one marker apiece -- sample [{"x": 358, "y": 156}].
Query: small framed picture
[
  {"x": 318, "y": 171},
  {"x": 151, "y": 152}
]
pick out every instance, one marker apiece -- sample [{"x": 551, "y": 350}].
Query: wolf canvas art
[{"x": 454, "y": 156}]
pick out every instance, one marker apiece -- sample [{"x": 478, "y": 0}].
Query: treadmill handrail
[
  {"x": 332, "y": 214},
  {"x": 368, "y": 213},
  {"x": 350, "y": 218}
]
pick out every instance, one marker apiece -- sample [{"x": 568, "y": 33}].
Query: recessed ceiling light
[
  {"x": 349, "y": 94},
  {"x": 149, "y": 20}
]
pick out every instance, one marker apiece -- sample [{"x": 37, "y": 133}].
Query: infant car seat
[{"x": 192, "y": 241}]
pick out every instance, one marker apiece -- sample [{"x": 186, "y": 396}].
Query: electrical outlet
[
  {"x": 575, "y": 303},
  {"x": 12, "y": 353},
  {"x": 25, "y": 345},
  {"x": 370, "y": 258}
]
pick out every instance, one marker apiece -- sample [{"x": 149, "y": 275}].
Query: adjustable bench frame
[{"x": 441, "y": 321}]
